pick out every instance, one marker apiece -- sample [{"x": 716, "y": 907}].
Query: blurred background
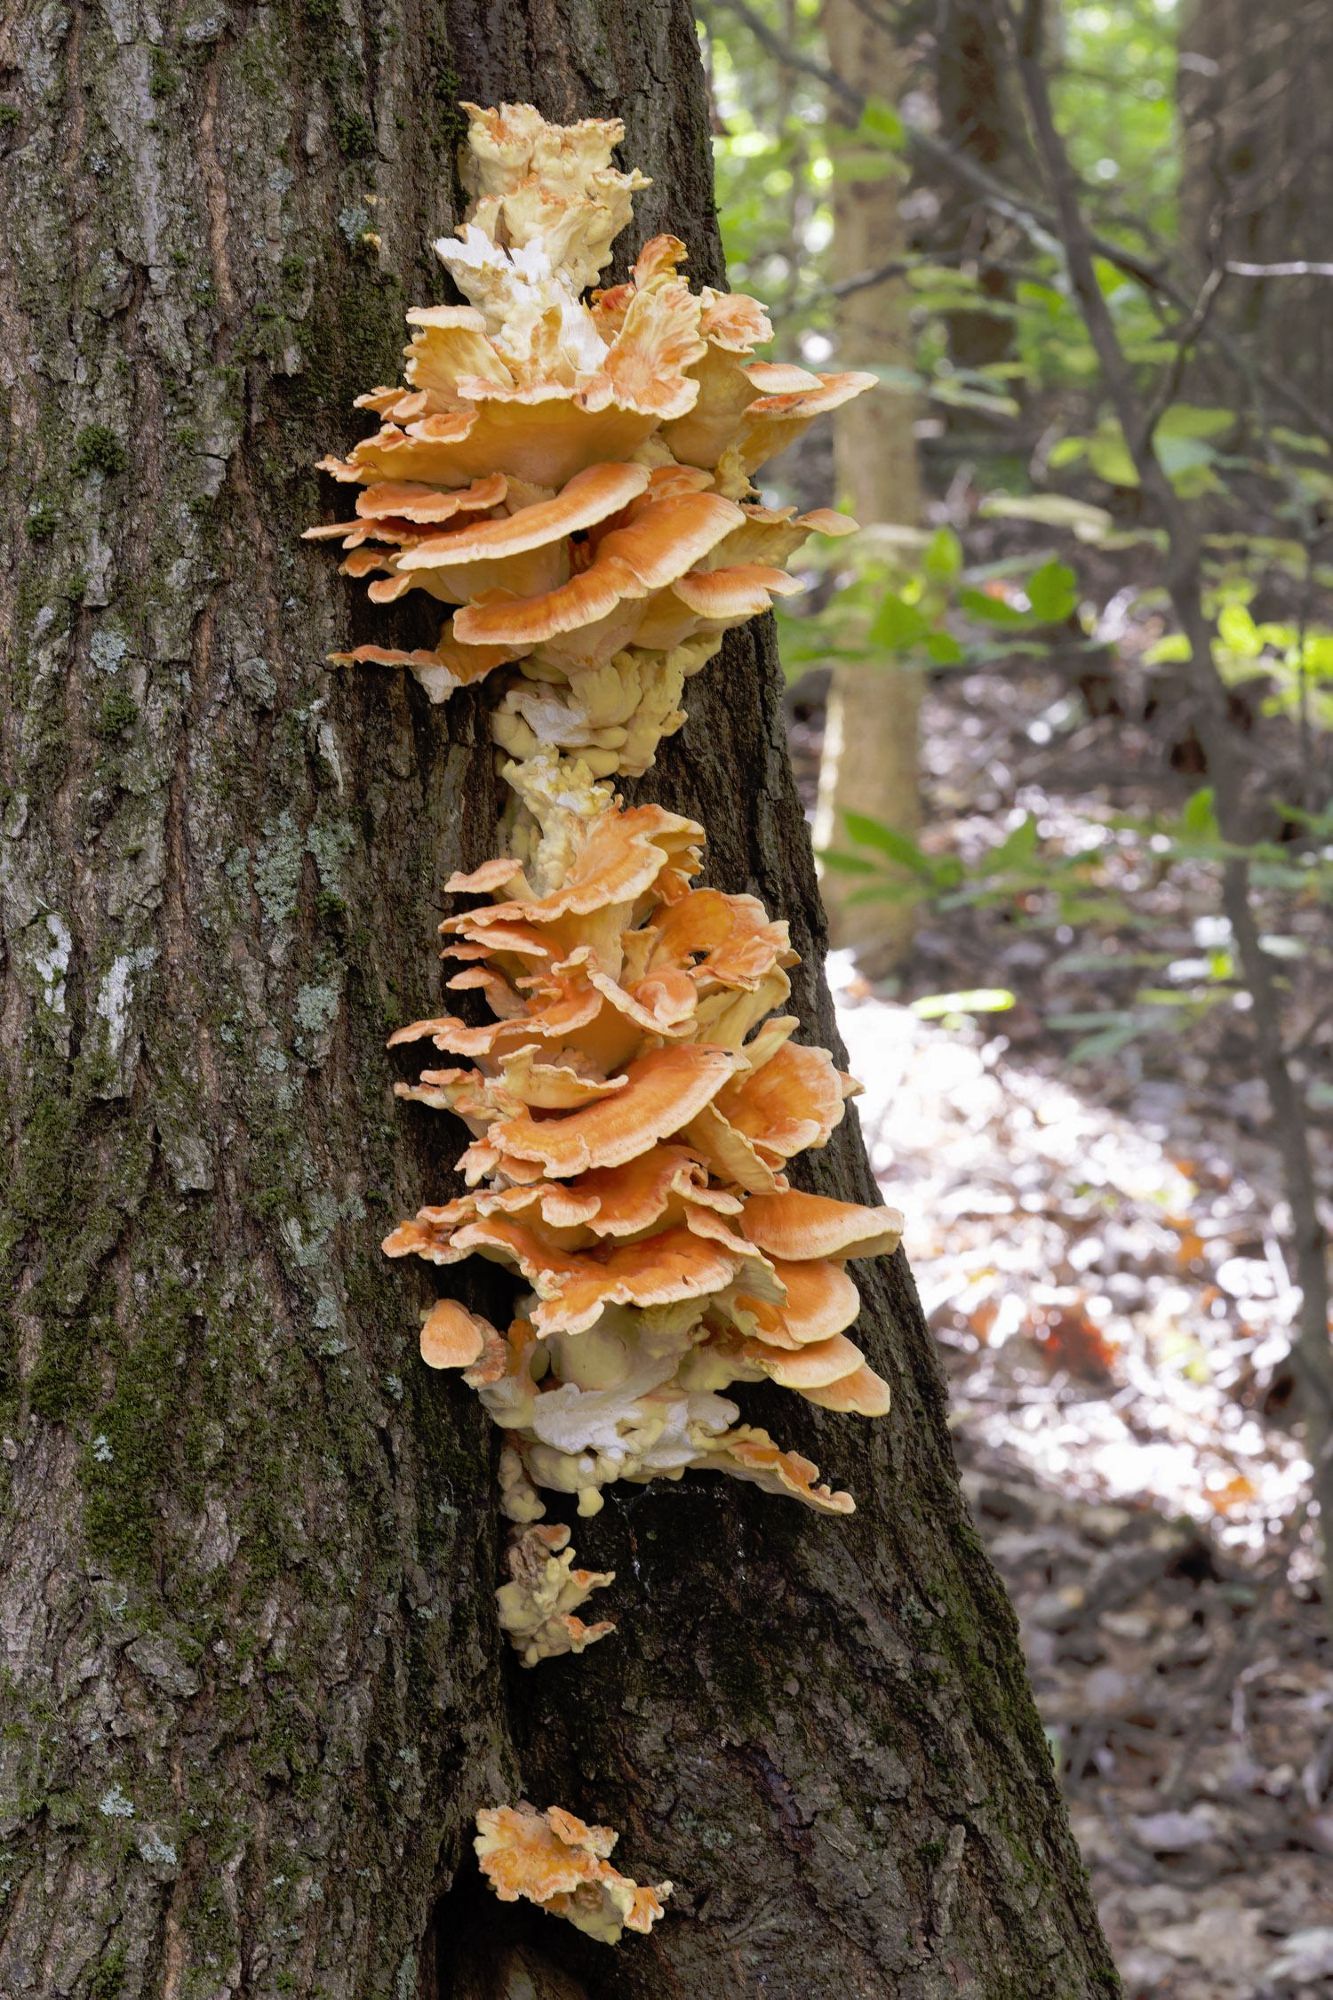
[{"x": 1063, "y": 717}]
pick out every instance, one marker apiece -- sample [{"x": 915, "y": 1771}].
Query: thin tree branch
[
  {"x": 1298, "y": 268},
  {"x": 782, "y": 51},
  {"x": 1185, "y": 342}
]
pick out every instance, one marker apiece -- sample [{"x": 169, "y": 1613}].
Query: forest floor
[{"x": 1098, "y": 1250}]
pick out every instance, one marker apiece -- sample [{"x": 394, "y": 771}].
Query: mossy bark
[{"x": 253, "y": 1690}]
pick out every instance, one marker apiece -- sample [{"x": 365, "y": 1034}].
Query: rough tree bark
[
  {"x": 872, "y": 753},
  {"x": 253, "y": 1689}
]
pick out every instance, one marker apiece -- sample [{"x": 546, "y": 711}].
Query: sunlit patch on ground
[{"x": 1112, "y": 1304}]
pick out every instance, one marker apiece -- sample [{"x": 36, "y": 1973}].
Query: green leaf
[
  {"x": 1185, "y": 460},
  {"x": 959, "y": 397},
  {"x": 1238, "y": 632},
  {"x": 1177, "y": 1000},
  {"x": 1018, "y": 846},
  {"x": 1194, "y": 420},
  {"x": 1109, "y": 1041},
  {"x": 1317, "y": 659},
  {"x": 1052, "y": 510},
  {"x": 1110, "y": 277},
  {"x": 1298, "y": 441},
  {"x": 897, "y": 624},
  {"x": 1175, "y": 646},
  {"x": 1108, "y": 455},
  {"x": 1052, "y": 593},
  {"x": 846, "y": 864},
  {"x": 1198, "y": 817},
  {"x": 882, "y": 121},
  {"x": 943, "y": 650},
  {"x": 899, "y": 847},
  {"x": 981, "y": 1000},
  {"x": 994, "y": 610},
  {"x": 876, "y": 162},
  {"x": 1053, "y": 302},
  {"x": 1111, "y": 1031},
  {"x": 888, "y": 891},
  {"x": 1068, "y": 451},
  {"x": 943, "y": 558}
]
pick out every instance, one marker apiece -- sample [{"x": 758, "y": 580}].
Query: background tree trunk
[
  {"x": 1254, "y": 86},
  {"x": 871, "y": 756},
  {"x": 978, "y": 119},
  {"x": 253, "y": 1687}
]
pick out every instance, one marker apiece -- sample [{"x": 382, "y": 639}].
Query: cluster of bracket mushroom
[
  {"x": 559, "y": 1862},
  {"x": 634, "y": 1103},
  {"x": 572, "y": 476}
]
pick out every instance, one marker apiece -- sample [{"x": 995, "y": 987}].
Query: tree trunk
[
  {"x": 976, "y": 118},
  {"x": 1258, "y": 172},
  {"x": 253, "y": 1688},
  {"x": 871, "y": 758}
]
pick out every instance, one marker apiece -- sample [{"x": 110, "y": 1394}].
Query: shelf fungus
[
  {"x": 568, "y": 472},
  {"x": 634, "y": 1104},
  {"x": 544, "y": 1591},
  {"x": 558, "y": 1862},
  {"x": 570, "y": 476}
]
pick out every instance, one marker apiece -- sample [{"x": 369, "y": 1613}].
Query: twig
[
  {"x": 899, "y": 267},
  {"x": 1310, "y": 758},
  {"x": 865, "y": 281},
  {"x": 1298, "y": 268},
  {"x": 794, "y": 58},
  {"x": 1185, "y": 342},
  {"x": 1239, "y": 1656}
]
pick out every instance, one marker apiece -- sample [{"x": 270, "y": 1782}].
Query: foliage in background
[{"x": 1040, "y": 545}]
